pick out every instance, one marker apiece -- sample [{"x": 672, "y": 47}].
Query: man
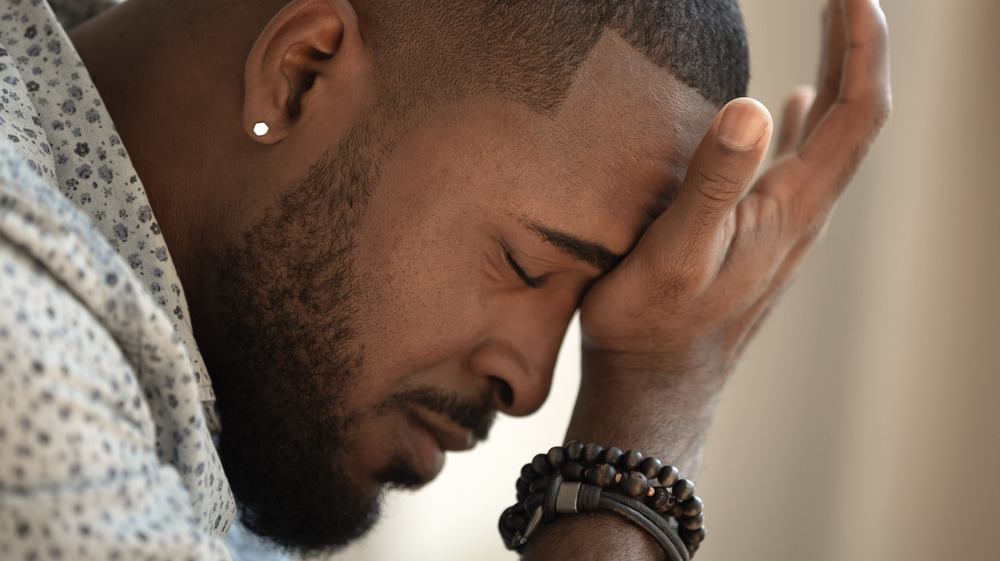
[{"x": 382, "y": 216}]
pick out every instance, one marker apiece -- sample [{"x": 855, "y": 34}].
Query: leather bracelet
[{"x": 575, "y": 478}]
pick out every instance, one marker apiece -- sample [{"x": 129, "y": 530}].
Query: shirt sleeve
[{"x": 79, "y": 473}]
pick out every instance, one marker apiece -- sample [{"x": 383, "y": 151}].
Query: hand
[
  {"x": 703, "y": 277},
  {"x": 663, "y": 330}
]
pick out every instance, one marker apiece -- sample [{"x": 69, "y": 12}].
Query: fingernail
[{"x": 742, "y": 125}]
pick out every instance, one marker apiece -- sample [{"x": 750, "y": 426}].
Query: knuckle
[
  {"x": 717, "y": 187},
  {"x": 679, "y": 275},
  {"x": 872, "y": 101},
  {"x": 883, "y": 110}
]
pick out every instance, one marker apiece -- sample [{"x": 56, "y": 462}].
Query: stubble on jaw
[{"x": 285, "y": 309}]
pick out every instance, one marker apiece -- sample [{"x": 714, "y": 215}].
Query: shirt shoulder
[
  {"x": 100, "y": 401},
  {"x": 102, "y": 451}
]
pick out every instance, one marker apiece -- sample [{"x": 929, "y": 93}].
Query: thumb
[{"x": 722, "y": 168}]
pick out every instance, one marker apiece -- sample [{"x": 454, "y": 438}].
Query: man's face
[{"x": 365, "y": 334}]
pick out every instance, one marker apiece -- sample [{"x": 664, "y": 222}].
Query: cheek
[
  {"x": 422, "y": 252},
  {"x": 423, "y": 301}
]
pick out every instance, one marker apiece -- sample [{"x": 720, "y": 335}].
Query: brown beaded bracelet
[{"x": 576, "y": 478}]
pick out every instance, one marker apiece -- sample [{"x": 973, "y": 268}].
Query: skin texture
[
  {"x": 373, "y": 295},
  {"x": 724, "y": 252},
  {"x": 394, "y": 305}
]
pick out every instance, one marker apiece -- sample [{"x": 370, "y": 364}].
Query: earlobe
[{"x": 293, "y": 50}]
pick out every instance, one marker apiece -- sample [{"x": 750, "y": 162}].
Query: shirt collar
[{"x": 94, "y": 171}]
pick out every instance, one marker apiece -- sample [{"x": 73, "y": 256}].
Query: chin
[
  {"x": 298, "y": 503},
  {"x": 297, "y": 480}
]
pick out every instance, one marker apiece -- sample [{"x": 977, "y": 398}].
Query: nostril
[{"x": 503, "y": 391}]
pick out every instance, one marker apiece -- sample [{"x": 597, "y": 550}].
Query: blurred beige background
[{"x": 864, "y": 422}]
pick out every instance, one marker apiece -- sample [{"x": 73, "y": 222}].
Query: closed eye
[{"x": 531, "y": 282}]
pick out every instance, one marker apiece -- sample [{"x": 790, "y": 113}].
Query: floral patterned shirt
[{"x": 106, "y": 411}]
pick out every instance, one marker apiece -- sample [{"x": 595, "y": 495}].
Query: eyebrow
[{"x": 593, "y": 253}]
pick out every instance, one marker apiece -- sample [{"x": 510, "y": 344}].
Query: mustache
[{"x": 475, "y": 414}]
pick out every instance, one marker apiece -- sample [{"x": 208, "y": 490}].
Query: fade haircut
[{"x": 436, "y": 51}]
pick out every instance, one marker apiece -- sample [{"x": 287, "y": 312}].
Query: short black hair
[{"x": 531, "y": 49}]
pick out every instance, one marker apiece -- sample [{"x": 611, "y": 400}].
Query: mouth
[{"x": 434, "y": 435}]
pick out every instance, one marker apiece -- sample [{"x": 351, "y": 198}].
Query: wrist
[
  {"x": 646, "y": 403},
  {"x": 705, "y": 363}
]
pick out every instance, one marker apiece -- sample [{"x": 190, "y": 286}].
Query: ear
[{"x": 301, "y": 44}]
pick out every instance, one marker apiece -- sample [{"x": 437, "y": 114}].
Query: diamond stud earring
[{"x": 260, "y": 129}]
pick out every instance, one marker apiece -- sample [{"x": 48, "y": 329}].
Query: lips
[
  {"x": 449, "y": 437},
  {"x": 432, "y": 436}
]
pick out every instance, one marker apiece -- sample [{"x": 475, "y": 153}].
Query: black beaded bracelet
[{"x": 576, "y": 478}]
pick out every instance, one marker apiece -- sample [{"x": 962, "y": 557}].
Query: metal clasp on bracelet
[{"x": 533, "y": 523}]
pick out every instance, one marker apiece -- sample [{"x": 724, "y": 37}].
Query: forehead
[
  {"x": 601, "y": 163},
  {"x": 629, "y": 128}
]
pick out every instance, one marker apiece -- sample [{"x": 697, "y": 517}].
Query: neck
[{"x": 175, "y": 98}]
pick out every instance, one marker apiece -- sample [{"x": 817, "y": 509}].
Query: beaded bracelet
[{"x": 576, "y": 478}]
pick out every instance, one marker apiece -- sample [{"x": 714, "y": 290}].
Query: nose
[{"x": 518, "y": 354}]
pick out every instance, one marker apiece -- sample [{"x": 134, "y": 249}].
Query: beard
[{"x": 287, "y": 360}]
